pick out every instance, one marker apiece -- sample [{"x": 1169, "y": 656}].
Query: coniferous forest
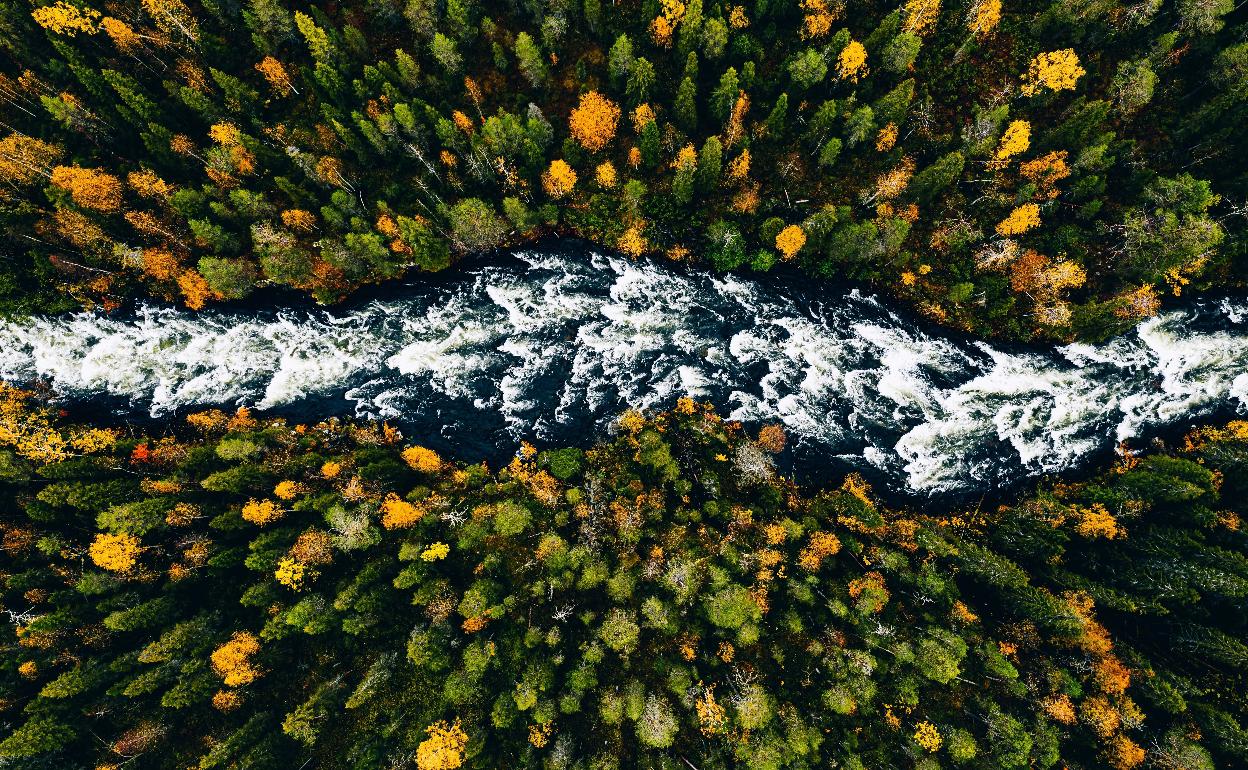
[
  {"x": 230, "y": 595},
  {"x": 1014, "y": 169},
  {"x": 227, "y": 588}
]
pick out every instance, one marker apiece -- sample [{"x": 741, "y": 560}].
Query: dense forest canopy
[
  {"x": 1018, "y": 169},
  {"x": 244, "y": 593},
  {"x": 235, "y": 591}
]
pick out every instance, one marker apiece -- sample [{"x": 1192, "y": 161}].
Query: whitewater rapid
[{"x": 550, "y": 346}]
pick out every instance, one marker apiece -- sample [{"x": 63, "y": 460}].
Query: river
[{"x": 549, "y": 345}]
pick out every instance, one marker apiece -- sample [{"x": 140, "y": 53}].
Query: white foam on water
[
  {"x": 1020, "y": 401},
  {"x": 553, "y": 345},
  {"x": 318, "y": 357}
]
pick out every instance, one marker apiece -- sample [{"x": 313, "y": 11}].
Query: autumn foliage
[
  {"x": 67, "y": 19},
  {"x": 444, "y": 748},
  {"x": 1052, "y": 71},
  {"x": 559, "y": 179},
  {"x": 422, "y": 459},
  {"x": 233, "y": 660},
  {"x": 593, "y": 121},
  {"x": 790, "y": 241},
  {"x": 738, "y": 587},
  {"x": 257, "y": 150},
  {"x": 262, "y": 512},
  {"x": 90, "y": 188},
  {"x": 851, "y": 63},
  {"x": 115, "y": 553}
]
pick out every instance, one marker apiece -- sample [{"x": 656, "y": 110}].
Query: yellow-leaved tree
[
  {"x": 817, "y": 18},
  {"x": 115, "y": 553},
  {"x": 444, "y": 748},
  {"x": 23, "y": 159},
  {"x": 605, "y": 175},
  {"x": 1016, "y": 139},
  {"x": 397, "y": 513},
  {"x": 174, "y": 17},
  {"x": 1053, "y": 70},
  {"x": 66, "y": 19},
  {"x": 921, "y": 16},
  {"x": 559, "y": 179},
  {"x": 90, "y": 188},
  {"x": 593, "y": 121},
  {"x": 790, "y": 240},
  {"x": 262, "y": 512},
  {"x": 984, "y": 17},
  {"x": 632, "y": 241},
  {"x": 276, "y": 75},
  {"x": 422, "y": 459},
  {"x": 1025, "y": 217},
  {"x": 927, "y": 736},
  {"x": 121, "y": 33},
  {"x": 291, "y": 573},
  {"x": 851, "y": 63},
  {"x": 27, "y": 428},
  {"x": 232, "y": 660}
]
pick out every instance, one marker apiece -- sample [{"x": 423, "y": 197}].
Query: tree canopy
[
  {"x": 197, "y": 151},
  {"x": 242, "y": 592}
]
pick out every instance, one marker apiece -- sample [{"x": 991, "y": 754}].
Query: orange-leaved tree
[
  {"x": 232, "y": 660},
  {"x": 89, "y": 187},
  {"x": 559, "y": 179},
  {"x": 594, "y": 120}
]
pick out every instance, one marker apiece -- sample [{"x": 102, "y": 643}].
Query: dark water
[{"x": 549, "y": 345}]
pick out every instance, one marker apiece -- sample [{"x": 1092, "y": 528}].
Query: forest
[
  {"x": 227, "y": 588},
  {"x": 1017, "y": 170},
  {"x": 240, "y": 592}
]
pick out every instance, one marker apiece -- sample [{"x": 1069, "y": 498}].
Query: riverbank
[{"x": 552, "y": 346}]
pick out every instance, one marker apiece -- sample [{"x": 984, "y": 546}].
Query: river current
[{"x": 549, "y": 346}]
